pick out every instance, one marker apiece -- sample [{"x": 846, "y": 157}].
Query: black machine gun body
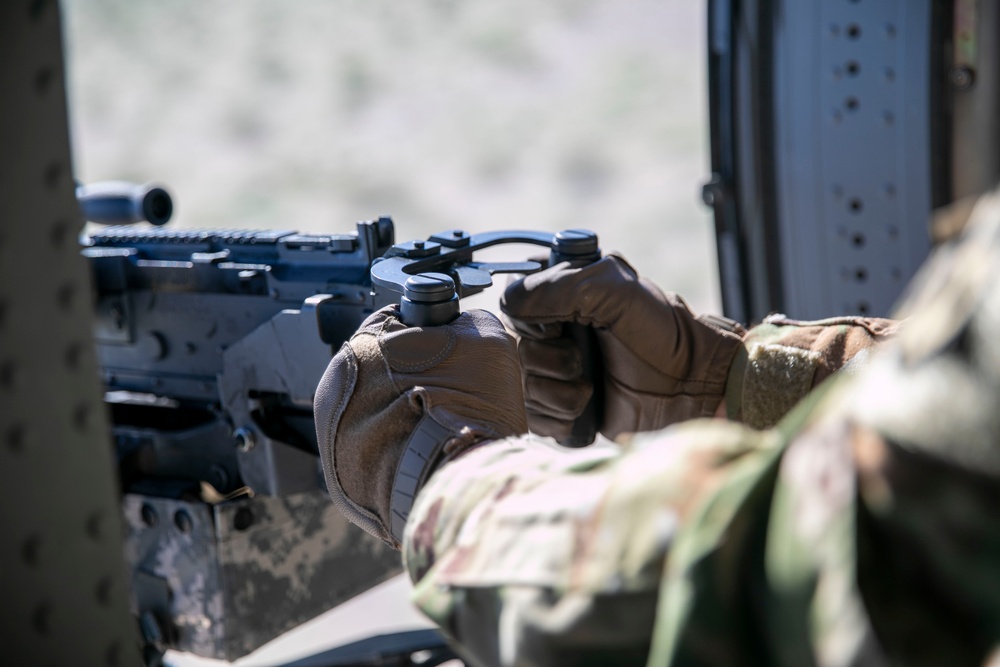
[
  {"x": 237, "y": 324},
  {"x": 211, "y": 344}
]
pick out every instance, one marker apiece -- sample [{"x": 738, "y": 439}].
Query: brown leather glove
[
  {"x": 396, "y": 402},
  {"x": 662, "y": 364}
]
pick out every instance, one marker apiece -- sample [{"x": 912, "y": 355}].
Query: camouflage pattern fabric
[
  {"x": 862, "y": 530},
  {"x": 783, "y": 359}
]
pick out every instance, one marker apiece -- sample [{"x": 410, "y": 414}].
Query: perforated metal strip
[
  {"x": 62, "y": 577},
  {"x": 853, "y": 148}
]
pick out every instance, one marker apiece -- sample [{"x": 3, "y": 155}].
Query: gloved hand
[
  {"x": 662, "y": 364},
  {"x": 396, "y": 402}
]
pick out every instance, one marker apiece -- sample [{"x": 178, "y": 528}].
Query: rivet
[
  {"x": 64, "y": 297},
  {"x": 95, "y": 526},
  {"x": 31, "y": 550},
  {"x": 72, "y": 356},
  {"x": 15, "y": 438},
  {"x": 41, "y": 619},
  {"x": 57, "y": 237},
  {"x": 81, "y": 415},
  {"x": 43, "y": 79},
  {"x": 53, "y": 174},
  {"x": 113, "y": 655},
  {"x": 36, "y": 8},
  {"x": 961, "y": 77},
  {"x": 8, "y": 373},
  {"x": 103, "y": 591}
]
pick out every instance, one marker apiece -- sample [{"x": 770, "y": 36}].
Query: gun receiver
[{"x": 211, "y": 344}]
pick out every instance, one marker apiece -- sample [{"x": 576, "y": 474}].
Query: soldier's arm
[
  {"x": 861, "y": 530},
  {"x": 525, "y": 554}
]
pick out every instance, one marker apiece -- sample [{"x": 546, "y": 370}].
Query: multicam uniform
[{"x": 862, "y": 530}]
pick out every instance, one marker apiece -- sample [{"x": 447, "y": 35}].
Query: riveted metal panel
[
  {"x": 62, "y": 576},
  {"x": 852, "y": 131}
]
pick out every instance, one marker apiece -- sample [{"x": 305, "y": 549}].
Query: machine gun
[{"x": 211, "y": 344}]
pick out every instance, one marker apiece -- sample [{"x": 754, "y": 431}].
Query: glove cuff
[
  {"x": 419, "y": 460},
  {"x": 781, "y": 360}
]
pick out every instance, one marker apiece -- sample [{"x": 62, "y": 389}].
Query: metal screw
[
  {"x": 244, "y": 439},
  {"x": 961, "y": 77},
  {"x": 418, "y": 244}
]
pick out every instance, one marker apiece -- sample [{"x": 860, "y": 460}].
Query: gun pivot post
[
  {"x": 578, "y": 246},
  {"x": 429, "y": 300}
]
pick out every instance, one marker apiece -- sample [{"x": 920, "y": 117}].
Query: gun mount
[
  {"x": 451, "y": 254},
  {"x": 432, "y": 275}
]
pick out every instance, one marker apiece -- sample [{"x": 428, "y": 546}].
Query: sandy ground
[{"x": 479, "y": 115}]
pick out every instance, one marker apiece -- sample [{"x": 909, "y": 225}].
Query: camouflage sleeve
[
  {"x": 861, "y": 530},
  {"x": 881, "y": 544},
  {"x": 528, "y": 554},
  {"x": 783, "y": 359}
]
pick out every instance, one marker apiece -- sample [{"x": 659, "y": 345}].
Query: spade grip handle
[
  {"x": 430, "y": 296},
  {"x": 579, "y": 248}
]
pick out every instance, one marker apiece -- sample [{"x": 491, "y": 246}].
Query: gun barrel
[{"x": 123, "y": 203}]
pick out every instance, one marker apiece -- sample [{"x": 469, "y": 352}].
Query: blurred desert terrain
[{"x": 478, "y": 115}]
